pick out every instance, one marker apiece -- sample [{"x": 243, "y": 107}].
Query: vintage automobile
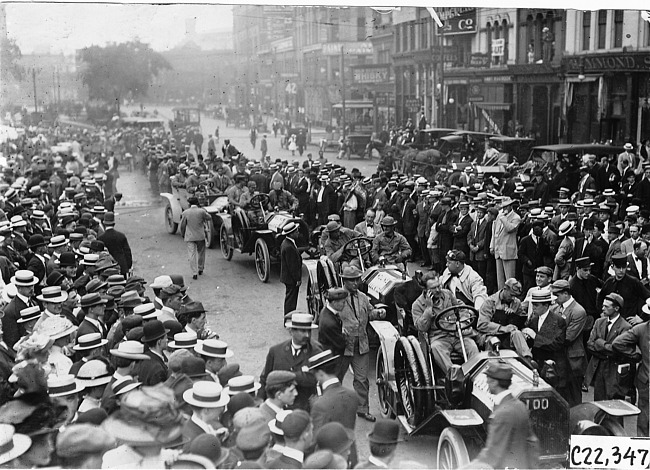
[
  {"x": 456, "y": 406},
  {"x": 257, "y": 231},
  {"x": 546, "y": 158},
  {"x": 185, "y": 116},
  {"x": 463, "y": 145},
  {"x": 511, "y": 149},
  {"x": 428, "y": 138}
]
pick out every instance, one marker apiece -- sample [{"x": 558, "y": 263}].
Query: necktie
[
  {"x": 354, "y": 308},
  {"x": 609, "y": 325}
]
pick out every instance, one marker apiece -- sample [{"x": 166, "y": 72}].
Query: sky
[{"x": 67, "y": 27}]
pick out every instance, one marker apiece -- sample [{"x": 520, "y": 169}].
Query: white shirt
[
  {"x": 270, "y": 404},
  {"x": 639, "y": 265},
  {"x": 319, "y": 198},
  {"x": 294, "y": 454},
  {"x": 375, "y": 461},
  {"x": 611, "y": 321},
  {"x": 59, "y": 362},
  {"x": 565, "y": 305},
  {"x": 542, "y": 319},
  {"x": 329, "y": 382}
]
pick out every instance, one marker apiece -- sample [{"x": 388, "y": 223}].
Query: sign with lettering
[
  {"x": 351, "y": 48},
  {"x": 479, "y": 60},
  {"x": 370, "y": 74},
  {"x": 609, "y": 62},
  {"x": 498, "y": 46},
  {"x": 412, "y": 105},
  {"x": 457, "y": 20}
]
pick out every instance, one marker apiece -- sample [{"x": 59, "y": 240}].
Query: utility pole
[
  {"x": 34, "y": 82},
  {"x": 342, "y": 75}
]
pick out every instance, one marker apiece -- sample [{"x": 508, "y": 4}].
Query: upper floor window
[
  {"x": 586, "y": 30},
  {"x": 602, "y": 28},
  {"x": 618, "y": 28},
  {"x": 411, "y": 28},
  {"x": 424, "y": 34}
]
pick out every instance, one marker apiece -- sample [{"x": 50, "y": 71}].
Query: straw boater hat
[
  {"x": 204, "y": 394},
  {"x": 124, "y": 384},
  {"x": 24, "y": 278},
  {"x": 274, "y": 424},
  {"x": 94, "y": 373},
  {"x": 146, "y": 311},
  {"x": 12, "y": 445},
  {"x": 565, "y": 228},
  {"x": 53, "y": 295},
  {"x": 242, "y": 384},
  {"x": 133, "y": 350},
  {"x": 57, "y": 241},
  {"x": 62, "y": 385},
  {"x": 29, "y": 314},
  {"x": 301, "y": 321},
  {"x": 89, "y": 341},
  {"x": 214, "y": 348},
  {"x": 542, "y": 296},
  {"x": 322, "y": 358},
  {"x": 184, "y": 340}
]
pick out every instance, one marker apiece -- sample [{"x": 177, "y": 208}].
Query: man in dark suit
[
  {"x": 302, "y": 192},
  {"x": 154, "y": 371},
  {"x": 462, "y": 228},
  {"x": 290, "y": 266},
  {"x": 24, "y": 280},
  {"x": 116, "y": 244},
  {"x": 509, "y": 430},
  {"x": 7, "y": 362},
  {"x": 326, "y": 199},
  {"x": 337, "y": 403},
  {"x": 576, "y": 319},
  {"x": 330, "y": 326},
  {"x": 92, "y": 306},
  {"x": 637, "y": 262},
  {"x": 37, "y": 263},
  {"x": 383, "y": 442},
  {"x": 208, "y": 402},
  {"x": 642, "y": 189},
  {"x": 597, "y": 249},
  {"x": 532, "y": 252},
  {"x": 292, "y": 355},
  {"x": 603, "y": 366},
  {"x": 626, "y": 343},
  {"x": 109, "y": 203},
  {"x": 476, "y": 242},
  {"x": 548, "y": 332},
  {"x": 628, "y": 287},
  {"x": 298, "y": 437}
]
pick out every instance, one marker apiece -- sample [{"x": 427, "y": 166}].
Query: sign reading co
[{"x": 458, "y": 21}]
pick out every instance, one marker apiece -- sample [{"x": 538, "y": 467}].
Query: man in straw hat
[
  {"x": 547, "y": 330},
  {"x": 52, "y": 299},
  {"x": 293, "y": 355},
  {"x": 24, "y": 280},
  {"x": 12, "y": 446},
  {"x": 503, "y": 244},
  {"x": 290, "y": 266},
  {"x": 215, "y": 354},
  {"x": 88, "y": 347},
  {"x": 208, "y": 401},
  {"x": 509, "y": 432}
]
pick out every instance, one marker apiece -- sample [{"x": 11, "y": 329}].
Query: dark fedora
[
  {"x": 153, "y": 330},
  {"x": 385, "y": 431},
  {"x": 67, "y": 259},
  {"x": 90, "y": 300},
  {"x": 192, "y": 308},
  {"x": 36, "y": 240}
]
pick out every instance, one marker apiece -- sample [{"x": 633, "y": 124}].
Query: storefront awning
[
  {"x": 493, "y": 106},
  {"x": 583, "y": 79}
]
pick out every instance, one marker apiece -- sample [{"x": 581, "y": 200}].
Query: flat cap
[
  {"x": 560, "y": 285},
  {"x": 544, "y": 270},
  {"x": 514, "y": 285},
  {"x": 254, "y": 437},
  {"x": 279, "y": 377},
  {"x": 617, "y": 299},
  {"x": 499, "y": 371},
  {"x": 295, "y": 424}
]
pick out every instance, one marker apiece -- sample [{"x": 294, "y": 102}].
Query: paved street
[{"x": 245, "y": 312}]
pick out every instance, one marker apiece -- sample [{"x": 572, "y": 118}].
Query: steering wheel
[
  {"x": 362, "y": 245},
  {"x": 446, "y": 320},
  {"x": 261, "y": 198}
]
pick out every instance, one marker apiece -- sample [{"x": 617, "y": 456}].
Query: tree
[
  {"x": 10, "y": 56},
  {"x": 117, "y": 71}
]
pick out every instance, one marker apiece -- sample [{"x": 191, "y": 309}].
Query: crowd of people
[{"x": 98, "y": 373}]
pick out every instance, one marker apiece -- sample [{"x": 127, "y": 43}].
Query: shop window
[
  {"x": 586, "y": 30},
  {"x": 602, "y": 28},
  {"x": 618, "y": 28}
]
